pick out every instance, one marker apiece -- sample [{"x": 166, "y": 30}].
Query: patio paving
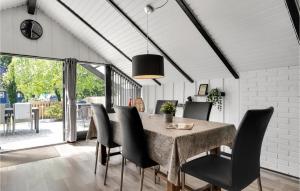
[{"x": 51, "y": 132}]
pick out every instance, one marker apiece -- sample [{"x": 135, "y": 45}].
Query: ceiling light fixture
[{"x": 148, "y": 66}]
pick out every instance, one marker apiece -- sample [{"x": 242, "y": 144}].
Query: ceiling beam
[
  {"x": 206, "y": 36},
  {"x": 94, "y": 71},
  {"x": 98, "y": 33},
  {"x": 31, "y": 6},
  {"x": 114, "y": 5},
  {"x": 293, "y": 8}
]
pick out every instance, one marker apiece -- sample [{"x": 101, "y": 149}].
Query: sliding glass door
[
  {"x": 31, "y": 95},
  {"x": 90, "y": 88}
]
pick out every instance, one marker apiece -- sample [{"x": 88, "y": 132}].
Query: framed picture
[{"x": 203, "y": 89}]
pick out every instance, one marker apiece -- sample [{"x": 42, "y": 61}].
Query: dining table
[
  {"x": 171, "y": 148},
  {"x": 35, "y": 110}
]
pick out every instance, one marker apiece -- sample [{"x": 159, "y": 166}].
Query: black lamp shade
[{"x": 147, "y": 66}]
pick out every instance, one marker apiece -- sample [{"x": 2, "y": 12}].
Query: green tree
[
  {"x": 5, "y": 60},
  {"x": 11, "y": 86},
  {"x": 88, "y": 84},
  {"x": 34, "y": 77}
]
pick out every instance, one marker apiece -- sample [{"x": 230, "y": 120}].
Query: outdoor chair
[
  {"x": 22, "y": 112},
  {"x": 84, "y": 114},
  {"x": 3, "y": 120}
]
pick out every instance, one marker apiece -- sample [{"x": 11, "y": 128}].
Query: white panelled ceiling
[
  {"x": 172, "y": 30},
  {"x": 110, "y": 24},
  {"x": 252, "y": 34}
]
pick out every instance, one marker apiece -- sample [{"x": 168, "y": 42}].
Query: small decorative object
[
  {"x": 31, "y": 29},
  {"x": 189, "y": 98},
  {"x": 215, "y": 96},
  {"x": 139, "y": 104},
  {"x": 203, "y": 89},
  {"x": 130, "y": 102},
  {"x": 168, "y": 109},
  {"x": 181, "y": 126}
]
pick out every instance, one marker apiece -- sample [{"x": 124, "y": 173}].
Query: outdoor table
[
  {"x": 35, "y": 110},
  {"x": 171, "y": 147}
]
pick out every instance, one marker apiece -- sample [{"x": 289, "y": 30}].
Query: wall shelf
[{"x": 222, "y": 94}]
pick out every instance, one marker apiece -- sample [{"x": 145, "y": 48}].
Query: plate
[{"x": 181, "y": 126}]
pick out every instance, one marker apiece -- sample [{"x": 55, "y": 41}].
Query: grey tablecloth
[{"x": 171, "y": 147}]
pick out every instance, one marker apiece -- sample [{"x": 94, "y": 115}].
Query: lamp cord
[{"x": 147, "y": 36}]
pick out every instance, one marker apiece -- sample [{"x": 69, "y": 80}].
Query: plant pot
[{"x": 168, "y": 118}]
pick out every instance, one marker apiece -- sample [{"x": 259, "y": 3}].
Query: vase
[{"x": 168, "y": 118}]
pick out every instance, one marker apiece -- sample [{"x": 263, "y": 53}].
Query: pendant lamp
[{"x": 148, "y": 66}]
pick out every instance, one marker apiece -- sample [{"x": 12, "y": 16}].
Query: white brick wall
[{"x": 279, "y": 88}]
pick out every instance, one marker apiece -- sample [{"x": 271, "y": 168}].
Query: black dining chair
[
  {"x": 134, "y": 145},
  {"x": 197, "y": 110},
  {"x": 244, "y": 166},
  {"x": 159, "y": 103},
  {"x": 104, "y": 134}
]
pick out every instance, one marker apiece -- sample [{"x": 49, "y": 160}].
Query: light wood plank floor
[{"x": 73, "y": 171}]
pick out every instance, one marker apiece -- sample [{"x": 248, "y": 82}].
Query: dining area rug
[{"x": 25, "y": 156}]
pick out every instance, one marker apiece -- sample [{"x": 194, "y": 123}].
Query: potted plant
[
  {"x": 215, "y": 97},
  {"x": 168, "y": 109}
]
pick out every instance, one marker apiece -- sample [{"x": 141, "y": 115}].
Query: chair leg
[
  {"x": 4, "y": 131},
  {"x": 142, "y": 179},
  {"x": 182, "y": 181},
  {"x": 122, "y": 172},
  {"x": 156, "y": 170},
  {"x": 97, "y": 154},
  {"x": 107, "y": 160},
  {"x": 14, "y": 127},
  {"x": 31, "y": 127},
  {"x": 7, "y": 126},
  {"x": 259, "y": 183}
]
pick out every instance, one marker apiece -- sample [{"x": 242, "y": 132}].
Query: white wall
[
  {"x": 56, "y": 42},
  {"x": 278, "y": 87}
]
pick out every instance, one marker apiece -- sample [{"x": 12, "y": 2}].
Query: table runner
[{"x": 171, "y": 147}]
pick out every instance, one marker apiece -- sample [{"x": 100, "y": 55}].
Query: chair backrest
[
  {"x": 159, "y": 103},
  {"x": 102, "y": 123},
  {"x": 2, "y": 113},
  {"x": 247, "y": 147},
  {"x": 197, "y": 110},
  {"x": 22, "y": 111},
  {"x": 134, "y": 147}
]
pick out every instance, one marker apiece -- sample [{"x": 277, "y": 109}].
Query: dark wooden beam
[
  {"x": 206, "y": 36},
  {"x": 96, "y": 31},
  {"x": 114, "y": 5},
  {"x": 31, "y": 6},
  {"x": 293, "y": 8},
  {"x": 108, "y": 89}
]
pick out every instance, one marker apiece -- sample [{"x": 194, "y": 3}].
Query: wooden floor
[{"x": 73, "y": 171}]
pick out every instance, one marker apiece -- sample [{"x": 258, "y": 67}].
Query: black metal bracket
[
  {"x": 293, "y": 8},
  {"x": 114, "y": 5},
  {"x": 31, "y": 6},
  {"x": 206, "y": 36}
]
